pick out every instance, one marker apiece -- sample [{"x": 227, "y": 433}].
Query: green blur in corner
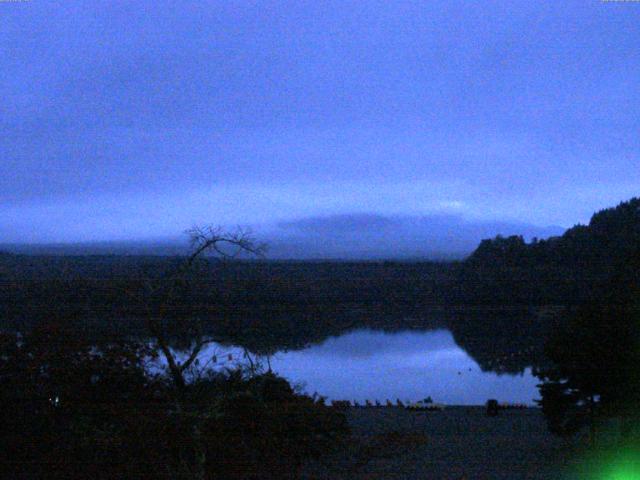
[
  {"x": 625, "y": 467},
  {"x": 622, "y": 463}
]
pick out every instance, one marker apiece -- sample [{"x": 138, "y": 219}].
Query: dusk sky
[{"x": 126, "y": 120}]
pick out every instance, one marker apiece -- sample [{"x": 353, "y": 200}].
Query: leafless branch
[
  {"x": 203, "y": 240},
  {"x": 194, "y": 354},
  {"x": 209, "y": 238}
]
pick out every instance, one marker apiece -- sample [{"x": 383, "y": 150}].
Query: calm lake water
[{"x": 409, "y": 365}]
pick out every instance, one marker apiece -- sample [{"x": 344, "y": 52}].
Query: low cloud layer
[
  {"x": 343, "y": 237},
  {"x": 372, "y": 236}
]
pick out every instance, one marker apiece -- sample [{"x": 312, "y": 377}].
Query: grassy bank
[{"x": 458, "y": 443}]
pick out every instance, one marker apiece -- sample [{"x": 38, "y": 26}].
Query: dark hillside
[
  {"x": 560, "y": 270},
  {"x": 92, "y": 287},
  {"x": 501, "y": 272}
]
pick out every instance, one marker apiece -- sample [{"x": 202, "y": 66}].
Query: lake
[{"x": 408, "y": 365}]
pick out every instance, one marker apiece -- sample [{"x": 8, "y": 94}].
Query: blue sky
[{"x": 139, "y": 119}]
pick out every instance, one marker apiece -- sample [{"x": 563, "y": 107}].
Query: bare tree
[
  {"x": 172, "y": 289},
  {"x": 206, "y": 241}
]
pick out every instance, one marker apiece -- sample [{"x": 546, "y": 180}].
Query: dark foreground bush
[{"x": 70, "y": 410}]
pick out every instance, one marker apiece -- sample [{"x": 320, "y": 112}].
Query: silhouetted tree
[
  {"x": 163, "y": 297},
  {"x": 595, "y": 358},
  {"x": 165, "y": 315}
]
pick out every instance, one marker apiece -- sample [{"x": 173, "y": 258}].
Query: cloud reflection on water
[{"x": 408, "y": 365}]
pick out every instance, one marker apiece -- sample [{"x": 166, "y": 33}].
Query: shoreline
[{"x": 455, "y": 443}]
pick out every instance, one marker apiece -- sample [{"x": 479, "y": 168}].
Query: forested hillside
[
  {"x": 560, "y": 270},
  {"x": 502, "y": 271}
]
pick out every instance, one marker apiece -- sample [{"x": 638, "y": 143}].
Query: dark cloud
[
  {"x": 375, "y": 236},
  {"x": 339, "y": 224},
  {"x": 515, "y": 110}
]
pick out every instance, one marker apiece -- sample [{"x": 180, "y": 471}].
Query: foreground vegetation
[{"x": 71, "y": 410}]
